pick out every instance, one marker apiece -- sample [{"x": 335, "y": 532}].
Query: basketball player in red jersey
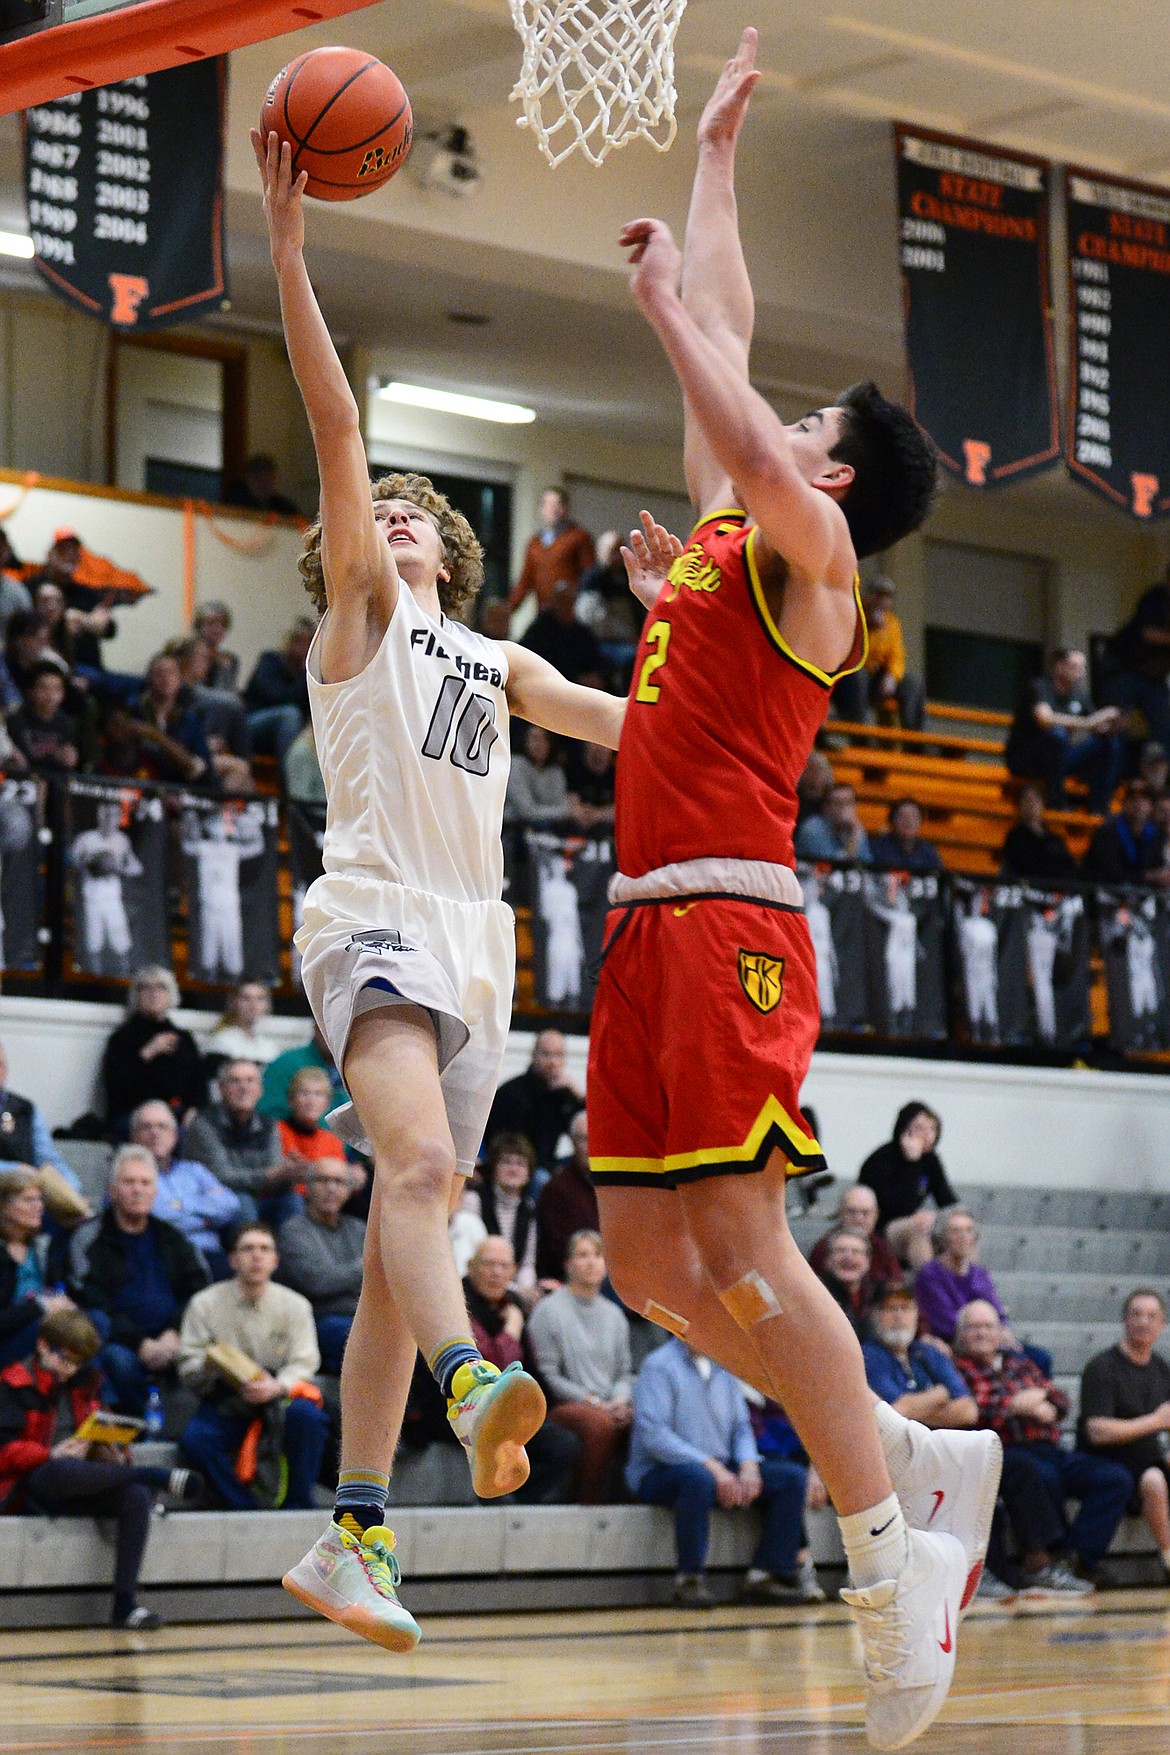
[{"x": 706, "y": 1013}]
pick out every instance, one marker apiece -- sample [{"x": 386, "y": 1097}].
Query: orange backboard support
[{"x": 144, "y": 38}]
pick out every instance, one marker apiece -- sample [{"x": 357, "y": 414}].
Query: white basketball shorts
[{"x": 366, "y": 943}]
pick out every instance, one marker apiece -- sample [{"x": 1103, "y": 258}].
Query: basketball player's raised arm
[
  {"x": 715, "y": 285},
  {"x": 359, "y": 568},
  {"x": 541, "y": 695},
  {"x": 797, "y": 520}
]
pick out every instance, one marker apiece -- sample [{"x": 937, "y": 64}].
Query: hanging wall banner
[
  {"x": 991, "y": 944},
  {"x": 231, "y": 857},
  {"x": 116, "y": 859},
  {"x": 570, "y": 877},
  {"x": 1119, "y": 336},
  {"x": 906, "y": 977},
  {"x": 975, "y": 278},
  {"x": 21, "y": 889},
  {"x": 835, "y": 908},
  {"x": 1057, "y": 950},
  {"x": 306, "y": 837},
  {"x": 1134, "y": 927},
  {"x": 124, "y": 188}
]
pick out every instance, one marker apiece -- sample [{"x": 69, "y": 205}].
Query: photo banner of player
[
  {"x": 838, "y": 922},
  {"x": 124, "y": 190},
  {"x": 306, "y": 837},
  {"x": 990, "y": 928},
  {"x": 973, "y": 228},
  {"x": 1134, "y": 931},
  {"x": 22, "y": 892},
  {"x": 1119, "y": 340},
  {"x": 116, "y": 879},
  {"x": 231, "y": 861},
  {"x": 905, "y": 962},
  {"x": 1058, "y": 943},
  {"x": 570, "y": 878}
]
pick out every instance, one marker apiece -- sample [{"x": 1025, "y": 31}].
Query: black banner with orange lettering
[
  {"x": 973, "y": 225},
  {"x": 1119, "y": 336},
  {"x": 124, "y": 188}
]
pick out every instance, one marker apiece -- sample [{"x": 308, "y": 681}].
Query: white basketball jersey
[{"x": 414, "y": 753}]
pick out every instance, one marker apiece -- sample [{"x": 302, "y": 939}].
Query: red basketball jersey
[{"x": 722, "y": 714}]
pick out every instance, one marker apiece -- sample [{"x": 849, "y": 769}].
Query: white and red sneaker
[
  {"x": 909, "y": 1628},
  {"x": 950, "y": 1488}
]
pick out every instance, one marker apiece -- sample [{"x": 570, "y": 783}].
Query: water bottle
[{"x": 155, "y": 1417}]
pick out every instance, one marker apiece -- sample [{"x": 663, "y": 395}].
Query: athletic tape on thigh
[
  {"x": 750, "y": 1300},
  {"x": 676, "y": 1325}
]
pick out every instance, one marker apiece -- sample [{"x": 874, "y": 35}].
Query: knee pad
[{"x": 750, "y": 1301}]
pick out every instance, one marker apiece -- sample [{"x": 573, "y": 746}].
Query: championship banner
[
  {"x": 570, "y": 878},
  {"x": 835, "y": 908},
  {"x": 1057, "y": 948},
  {"x": 904, "y": 955},
  {"x": 1119, "y": 336},
  {"x": 116, "y": 866},
  {"x": 21, "y": 891},
  {"x": 975, "y": 280},
  {"x": 230, "y": 854},
  {"x": 991, "y": 947},
  {"x": 1134, "y": 929},
  {"x": 124, "y": 189}
]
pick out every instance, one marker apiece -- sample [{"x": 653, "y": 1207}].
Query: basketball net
[{"x": 596, "y": 73}]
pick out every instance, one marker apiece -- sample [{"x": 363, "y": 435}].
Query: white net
[{"x": 596, "y": 73}]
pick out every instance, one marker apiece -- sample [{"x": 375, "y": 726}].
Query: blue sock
[
  {"x": 360, "y": 1502},
  {"x": 448, "y": 1356}
]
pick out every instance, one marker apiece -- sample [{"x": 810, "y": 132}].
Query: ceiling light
[
  {"x": 450, "y": 402},
  {"x": 16, "y": 244}
]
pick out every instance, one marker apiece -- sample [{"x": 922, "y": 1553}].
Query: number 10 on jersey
[{"x": 475, "y": 732}]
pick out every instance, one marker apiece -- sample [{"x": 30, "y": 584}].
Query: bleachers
[{"x": 960, "y": 781}]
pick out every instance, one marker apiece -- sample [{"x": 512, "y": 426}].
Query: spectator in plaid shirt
[{"x": 1018, "y": 1401}]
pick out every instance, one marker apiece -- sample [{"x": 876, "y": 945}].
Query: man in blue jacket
[{"x": 692, "y": 1448}]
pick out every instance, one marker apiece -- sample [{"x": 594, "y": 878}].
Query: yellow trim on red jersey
[
  {"x": 720, "y": 512},
  {"x": 804, "y": 1147},
  {"x": 824, "y": 677}
]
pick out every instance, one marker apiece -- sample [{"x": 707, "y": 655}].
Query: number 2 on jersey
[
  {"x": 657, "y": 636},
  {"x": 474, "y": 735}
]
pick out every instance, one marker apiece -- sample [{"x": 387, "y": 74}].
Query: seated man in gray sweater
[
  {"x": 242, "y": 1148},
  {"x": 321, "y": 1256},
  {"x": 580, "y": 1345}
]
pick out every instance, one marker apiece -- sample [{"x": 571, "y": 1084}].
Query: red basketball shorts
[{"x": 703, "y": 1027}]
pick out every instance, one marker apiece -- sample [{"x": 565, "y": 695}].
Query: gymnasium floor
[{"x": 733, "y": 1682}]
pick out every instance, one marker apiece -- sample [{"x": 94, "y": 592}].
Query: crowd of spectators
[
  {"x": 187, "y": 718},
  {"x": 218, "y": 1281}
]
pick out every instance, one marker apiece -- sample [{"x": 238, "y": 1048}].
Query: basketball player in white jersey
[{"x": 407, "y": 950}]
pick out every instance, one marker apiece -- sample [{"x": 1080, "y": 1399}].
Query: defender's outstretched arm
[
  {"x": 715, "y": 285},
  {"x": 747, "y": 438},
  {"x": 359, "y": 568}
]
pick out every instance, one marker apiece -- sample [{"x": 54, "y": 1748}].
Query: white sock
[
  {"x": 876, "y": 1543},
  {"x": 897, "y": 1435}
]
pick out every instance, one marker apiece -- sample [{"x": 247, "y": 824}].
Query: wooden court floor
[{"x": 627, "y": 1682}]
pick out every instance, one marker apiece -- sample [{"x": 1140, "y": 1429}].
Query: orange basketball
[{"x": 346, "y": 117}]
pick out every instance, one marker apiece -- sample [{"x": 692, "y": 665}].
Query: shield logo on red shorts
[{"x": 762, "y": 979}]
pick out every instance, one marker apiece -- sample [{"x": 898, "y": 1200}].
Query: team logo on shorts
[
  {"x": 379, "y": 940},
  {"x": 762, "y": 979}
]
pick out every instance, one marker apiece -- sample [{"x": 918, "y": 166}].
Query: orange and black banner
[
  {"x": 1119, "y": 336},
  {"x": 973, "y": 224},
  {"x": 124, "y": 188}
]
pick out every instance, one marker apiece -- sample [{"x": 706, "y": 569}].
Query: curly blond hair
[{"x": 462, "y": 553}]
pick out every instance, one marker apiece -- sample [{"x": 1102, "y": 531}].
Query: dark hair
[
  {"x": 900, "y": 803},
  {"x": 1138, "y": 789},
  {"x": 895, "y": 469},
  {"x": 46, "y": 667},
  {"x": 509, "y": 1145},
  {"x": 1143, "y": 1292},
  {"x": 243, "y": 1229},
  {"x": 70, "y": 1331},
  {"x": 910, "y": 1112}
]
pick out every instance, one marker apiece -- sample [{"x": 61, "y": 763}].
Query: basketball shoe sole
[{"x": 493, "y": 1418}]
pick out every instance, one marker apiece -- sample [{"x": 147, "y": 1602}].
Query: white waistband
[{"x": 754, "y": 879}]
